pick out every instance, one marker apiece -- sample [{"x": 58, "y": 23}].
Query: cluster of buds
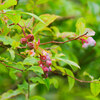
[
  {"x": 28, "y": 40},
  {"x": 45, "y": 63},
  {"x": 87, "y": 40}
]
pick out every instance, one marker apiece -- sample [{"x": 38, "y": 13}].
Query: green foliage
[
  {"x": 95, "y": 88},
  {"x": 9, "y": 94},
  {"x": 29, "y": 61},
  {"x": 7, "y": 4},
  {"x": 61, "y": 20},
  {"x": 70, "y": 80},
  {"x": 48, "y": 19},
  {"x": 36, "y": 69},
  {"x": 80, "y": 26},
  {"x": 12, "y": 53}
]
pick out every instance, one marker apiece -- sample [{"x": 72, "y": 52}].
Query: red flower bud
[
  {"x": 30, "y": 37},
  {"x": 30, "y": 45},
  {"x": 43, "y": 58},
  {"x": 23, "y": 40}
]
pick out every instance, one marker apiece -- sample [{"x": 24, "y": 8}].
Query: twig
[
  {"x": 20, "y": 55},
  {"x": 65, "y": 18},
  {"x": 20, "y": 27},
  {"x": 10, "y": 66},
  {"x": 64, "y": 41},
  {"x": 21, "y": 47},
  {"x": 82, "y": 81}
]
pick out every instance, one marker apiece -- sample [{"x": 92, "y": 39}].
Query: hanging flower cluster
[{"x": 45, "y": 63}]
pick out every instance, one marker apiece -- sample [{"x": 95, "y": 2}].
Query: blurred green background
[{"x": 88, "y": 59}]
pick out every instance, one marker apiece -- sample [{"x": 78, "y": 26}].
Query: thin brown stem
[
  {"x": 64, "y": 41},
  {"x": 10, "y": 66},
  {"x": 20, "y": 27},
  {"x": 82, "y": 81}
]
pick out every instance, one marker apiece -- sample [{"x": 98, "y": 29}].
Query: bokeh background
[{"x": 88, "y": 59}]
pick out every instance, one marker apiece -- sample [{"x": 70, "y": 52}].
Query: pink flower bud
[
  {"x": 39, "y": 42},
  {"x": 48, "y": 62},
  {"x": 50, "y": 69},
  {"x": 90, "y": 42},
  {"x": 30, "y": 45},
  {"x": 30, "y": 37},
  {"x": 45, "y": 69},
  {"x": 23, "y": 40},
  {"x": 85, "y": 45}
]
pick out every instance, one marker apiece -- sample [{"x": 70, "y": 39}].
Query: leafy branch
[
  {"x": 2, "y": 62},
  {"x": 64, "y": 41},
  {"x": 82, "y": 81}
]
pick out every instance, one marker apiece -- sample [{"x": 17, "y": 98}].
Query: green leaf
[
  {"x": 36, "y": 69},
  {"x": 18, "y": 12},
  {"x": 54, "y": 81},
  {"x": 14, "y": 17},
  {"x": 95, "y": 88},
  {"x": 80, "y": 26},
  {"x": 12, "y": 74},
  {"x": 15, "y": 44},
  {"x": 48, "y": 19},
  {"x": 7, "y": 4},
  {"x": 71, "y": 81},
  {"x": 29, "y": 61},
  {"x": 10, "y": 93},
  {"x": 60, "y": 69},
  {"x": 69, "y": 62},
  {"x": 37, "y": 98},
  {"x": 23, "y": 86},
  {"x": 32, "y": 86},
  {"x": 6, "y": 40},
  {"x": 47, "y": 83},
  {"x": 37, "y": 79},
  {"x": 12, "y": 53},
  {"x": 33, "y": 15}
]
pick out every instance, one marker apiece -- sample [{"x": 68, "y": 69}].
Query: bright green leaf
[
  {"x": 37, "y": 79},
  {"x": 29, "y": 61},
  {"x": 54, "y": 81},
  {"x": 48, "y": 19},
  {"x": 10, "y": 93},
  {"x": 36, "y": 69},
  {"x": 69, "y": 62},
  {"x": 12, "y": 53},
  {"x": 71, "y": 81},
  {"x": 95, "y": 88},
  {"x": 7, "y": 4},
  {"x": 80, "y": 26}
]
